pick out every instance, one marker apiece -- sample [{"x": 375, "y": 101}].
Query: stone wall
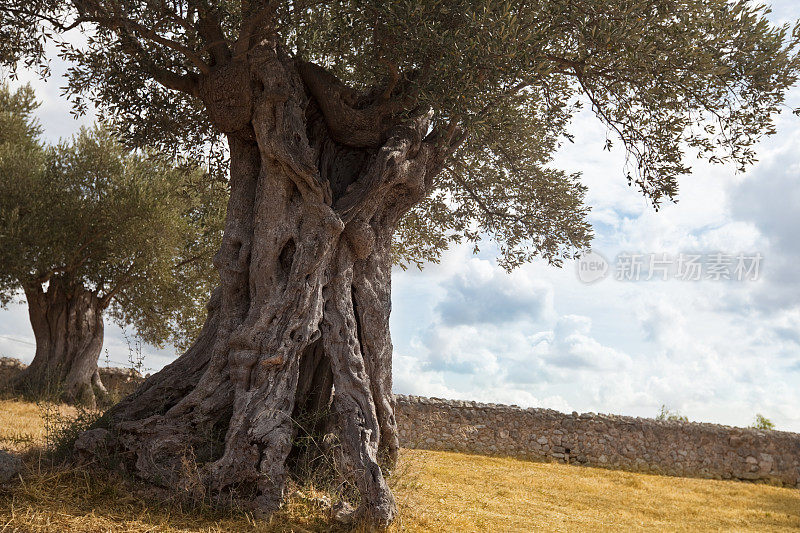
[
  {"x": 9, "y": 367},
  {"x": 119, "y": 381},
  {"x": 638, "y": 444}
]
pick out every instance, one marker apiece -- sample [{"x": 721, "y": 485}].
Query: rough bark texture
[
  {"x": 300, "y": 322},
  {"x": 68, "y": 326}
]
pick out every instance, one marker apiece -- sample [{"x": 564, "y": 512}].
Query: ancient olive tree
[
  {"x": 88, "y": 229},
  {"x": 361, "y": 133}
]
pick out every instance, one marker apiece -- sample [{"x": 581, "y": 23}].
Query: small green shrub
[
  {"x": 762, "y": 422},
  {"x": 61, "y": 430},
  {"x": 667, "y": 414}
]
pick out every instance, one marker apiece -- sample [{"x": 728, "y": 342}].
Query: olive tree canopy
[{"x": 502, "y": 80}]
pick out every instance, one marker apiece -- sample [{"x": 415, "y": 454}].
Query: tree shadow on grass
[
  {"x": 71, "y": 499},
  {"x": 777, "y": 504}
]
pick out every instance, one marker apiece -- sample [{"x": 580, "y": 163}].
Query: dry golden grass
[
  {"x": 458, "y": 492},
  {"x": 23, "y": 425},
  {"x": 437, "y": 491}
]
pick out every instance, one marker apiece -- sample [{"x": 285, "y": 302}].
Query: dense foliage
[
  {"x": 129, "y": 226},
  {"x": 665, "y": 76}
]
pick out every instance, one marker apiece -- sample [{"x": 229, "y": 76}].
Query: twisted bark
[
  {"x": 67, "y": 323},
  {"x": 300, "y": 321}
]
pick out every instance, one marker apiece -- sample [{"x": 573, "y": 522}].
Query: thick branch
[
  {"x": 249, "y": 25},
  {"x": 359, "y": 128},
  {"x": 97, "y": 13},
  {"x": 192, "y": 259},
  {"x": 151, "y": 34},
  {"x": 55, "y": 23},
  {"x": 123, "y": 280},
  {"x": 210, "y": 30},
  {"x": 186, "y": 83},
  {"x": 394, "y": 77}
]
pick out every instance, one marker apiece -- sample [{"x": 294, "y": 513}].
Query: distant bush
[
  {"x": 666, "y": 414},
  {"x": 762, "y": 422}
]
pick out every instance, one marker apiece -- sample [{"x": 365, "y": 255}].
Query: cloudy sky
[{"x": 715, "y": 350}]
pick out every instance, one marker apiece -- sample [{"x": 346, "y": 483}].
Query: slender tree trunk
[
  {"x": 300, "y": 322},
  {"x": 68, "y": 326}
]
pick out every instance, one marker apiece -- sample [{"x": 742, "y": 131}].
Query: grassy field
[{"x": 437, "y": 491}]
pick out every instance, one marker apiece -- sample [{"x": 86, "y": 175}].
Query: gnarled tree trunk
[
  {"x": 68, "y": 326},
  {"x": 300, "y": 322}
]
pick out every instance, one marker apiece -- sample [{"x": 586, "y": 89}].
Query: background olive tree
[
  {"x": 89, "y": 228},
  {"x": 360, "y": 133}
]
